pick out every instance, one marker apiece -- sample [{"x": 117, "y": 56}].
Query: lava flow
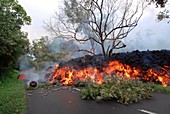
[{"x": 69, "y": 75}]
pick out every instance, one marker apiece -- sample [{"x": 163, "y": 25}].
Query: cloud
[
  {"x": 149, "y": 34},
  {"x": 39, "y": 10}
]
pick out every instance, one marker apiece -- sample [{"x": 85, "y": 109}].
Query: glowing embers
[
  {"x": 21, "y": 77},
  {"x": 122, "y": 70},
  {"x": 162, "y": 75},
  {"x": 69, "y": 75}
]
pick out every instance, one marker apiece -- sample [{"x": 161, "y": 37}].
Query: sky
[
  {"x": 149, "y": 34},
  {"x": 40, "y": 11}
]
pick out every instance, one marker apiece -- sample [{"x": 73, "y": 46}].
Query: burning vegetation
[{"x": 69, "y": 73}]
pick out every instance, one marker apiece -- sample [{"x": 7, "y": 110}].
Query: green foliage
[
  {"x": 160, "y": 88},
  {"x": 12, "y": 95},
  {"x": 42, "y": 52},
  {"x": 122, "y": 90},
  {"x": 80, "y": 84},
  {"x": 13, "y": 41},
  {"x": 7, "y": 76},
  {"x": 74, "y": 11}
]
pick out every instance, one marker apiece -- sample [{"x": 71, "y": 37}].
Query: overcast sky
[
  {"x": 149, "y": 34},
  {"x": 40, "y": 11}
]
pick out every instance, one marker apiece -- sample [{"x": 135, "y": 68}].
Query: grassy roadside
[
  {"x": 160, "y": 88},
  {"x": 13, "y": 98},
  {"x": 12, "y": 95}
]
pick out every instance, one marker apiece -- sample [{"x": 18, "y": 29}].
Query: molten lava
[
  {"x": 21, "y": 77},
  {"x": 69, "y": 75}
]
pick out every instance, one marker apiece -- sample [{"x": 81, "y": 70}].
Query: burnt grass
[{"x": 139, "y": 59}]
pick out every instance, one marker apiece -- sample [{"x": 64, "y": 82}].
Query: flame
[
  {"x": 162, "y": 75},
  {"x": 21, "y": 77},
  {"x": 161, "y": 79},
  {"x": 121, "y": 70},
  {"x": 69, "y": 75}
]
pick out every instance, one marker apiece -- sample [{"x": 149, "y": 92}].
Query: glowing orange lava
[{"x": 69, "y": 75}]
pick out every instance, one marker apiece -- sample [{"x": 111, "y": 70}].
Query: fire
[
  {"x": 162, "y": 75},
  {"x": 69, "y": 75},
  {"x": 121, "y": 70},
  {"x": 21, "y": 77},
  {"x": 161, "y": 79}
]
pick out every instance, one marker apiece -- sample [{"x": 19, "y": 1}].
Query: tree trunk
[
  {"x": 110, "y": 52},
  {"x": 103, "y": 50}
]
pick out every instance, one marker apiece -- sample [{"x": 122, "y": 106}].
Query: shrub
[
  {"x": 13, "y": 42},
  {"x": 122, "y": 90}
]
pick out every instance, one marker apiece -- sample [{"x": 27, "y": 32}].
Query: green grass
[
  {"x": 12, "y": 95},
  {"x": 160, "y": 88}
]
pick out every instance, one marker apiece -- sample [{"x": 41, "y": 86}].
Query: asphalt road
[{"x": 67, "y": 101}]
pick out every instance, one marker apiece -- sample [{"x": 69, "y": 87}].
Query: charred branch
[{"x": 88, "y": 51}]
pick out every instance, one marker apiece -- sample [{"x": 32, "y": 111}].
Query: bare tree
[
  {"x": 158, "y": 3},
  {"x": 106, "y": 22}
]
